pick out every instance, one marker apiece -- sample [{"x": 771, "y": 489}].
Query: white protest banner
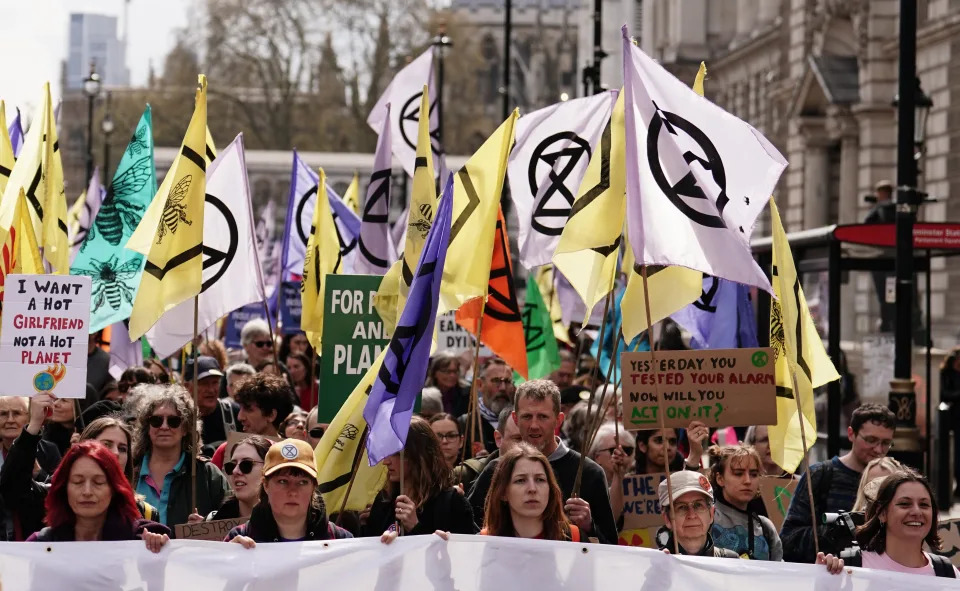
[
  {"x": 43, "y": 344},
  {"x": 414, "y": 563}
]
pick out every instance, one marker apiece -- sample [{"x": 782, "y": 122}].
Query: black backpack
[{"x": 942, "y": 567}]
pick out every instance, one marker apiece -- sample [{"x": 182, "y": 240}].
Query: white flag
[
  {"x": 572, "y": 308},
  {"x": 404, "y": 94},
  {"x": 231, "y": 269},
  {"x": 546, "y": 166},
  {"x": 697, "y": 177},
  {"x": 93, "y": 198},
  {"x": 375, "y": 249},
  {"x": 303, "y": 198},
  {"x": 123, "y": 353}
]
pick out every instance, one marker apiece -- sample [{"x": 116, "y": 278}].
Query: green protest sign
[{"x": 353, "y": 336}]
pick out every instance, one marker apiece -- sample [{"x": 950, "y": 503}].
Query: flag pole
[
  {"x": 593, "y": 387},
  {"x": 193, "y": 427},
  {"x": 353, "y": 472},
  {"x": 806, "y": 459},
  {"x": 598, "y": 420},
  {"x": 656, "y": 389},
  {"x": 273, "y": 341},
  {"x": 476, "y": 429}
]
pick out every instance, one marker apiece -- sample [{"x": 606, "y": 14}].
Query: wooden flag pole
[
  {"x": 193, "y": 427},
  {"x": 806, "y": 459},
  {"x": 474, "y": 397},
  {"x": 273, "y": 341},
  {"x": 402, "y": 470},
  {"x": 656, "y": 390},
  {"x": 353, "y": 472},
  {"x": 599, "y": 419},
  {"x": 593, "y": 387}
]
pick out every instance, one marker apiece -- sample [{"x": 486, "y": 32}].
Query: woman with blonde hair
[
  {"x": 524, "y": 500},
  {"x": 876, "y": 469}
]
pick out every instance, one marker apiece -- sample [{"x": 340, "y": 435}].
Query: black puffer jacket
[{"x": 262, "y": 527}]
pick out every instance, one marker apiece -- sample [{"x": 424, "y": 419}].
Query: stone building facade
[{"x": 817, "y": 77}]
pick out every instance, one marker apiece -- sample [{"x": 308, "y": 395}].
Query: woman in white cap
[
  {"x": 688, "y": 515},
  {"x": 290, "y": 508}
]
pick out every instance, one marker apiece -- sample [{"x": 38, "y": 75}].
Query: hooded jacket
[
  {"x": 262, "y": 527},
  {"x": 745, "y": 532}
]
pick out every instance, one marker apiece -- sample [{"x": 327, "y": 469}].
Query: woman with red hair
[{"x": 90, "y": 499}]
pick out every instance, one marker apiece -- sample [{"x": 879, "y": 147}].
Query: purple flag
[
  {"x": 16, "y": 135},
  {"x": 722, "y": 318},
  {"x": 390, "y": 403}
]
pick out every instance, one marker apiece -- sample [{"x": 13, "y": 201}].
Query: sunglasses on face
[
  {"x": 156, "y": 421},
  {"x": 261, "y": 344},
  {"x": 246, "y": 466},
  {"x": 316, "y": 432}
]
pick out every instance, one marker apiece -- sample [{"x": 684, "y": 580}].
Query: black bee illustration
[
  {"x": 137, "y": 142},
  {"x": 109, "y": 281},
  {"x": 777, "y": 336},
  {"x": 174, "y": 210},
  {"x": 422, "y": 226},
  {"x": 117, "y": 211}
]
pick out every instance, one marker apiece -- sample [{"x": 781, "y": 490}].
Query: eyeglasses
[
  {"x": 500, "y": 381},
  {"x": 316, "y": 432},
  {"x": 627, "y": 450},
  {"x": 246, "y": 466},
  {"x": 156, "y": 421},
  {"x": 452, "y": 436},
  {"x": 876, "y": 442},
  {"x": 658, "y": 439},
  {"x": 698, "y": 507},
  {"x": 261, "y": 344}
]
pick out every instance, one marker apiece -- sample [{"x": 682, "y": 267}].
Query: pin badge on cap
[{"x": 289, "y": 451}]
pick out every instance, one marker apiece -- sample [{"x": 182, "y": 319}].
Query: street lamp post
[
  {"x": 507, "y": 34},
  {"x": 442, "y": 45},
  {"x": 106, "y": 126},
  {"x": 912, "y": 109},
  {"x": 91, "y": 88}
]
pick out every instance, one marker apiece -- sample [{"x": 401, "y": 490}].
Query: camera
[{"x": 838, "y": 533}]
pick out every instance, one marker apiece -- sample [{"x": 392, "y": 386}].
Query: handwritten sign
[
  {"x": 454, "y": 338},
  {"x": 721, "y": 387},
  {"x": 45, "y": 328},
  {"x": 214, "y": 531},
  {"x": 777, "y": 494},
  {"x": 641, "y": 503},
  {"x": 950, "y": 535}
]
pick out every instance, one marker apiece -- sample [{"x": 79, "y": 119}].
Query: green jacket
[{"x": 212, "y": 487}]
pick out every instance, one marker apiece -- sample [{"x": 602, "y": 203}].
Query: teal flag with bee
[{"x": 115, "y": 271}]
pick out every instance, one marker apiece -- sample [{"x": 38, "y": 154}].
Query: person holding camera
[
  {"x": 834, "y": 482},
  {"x": 902, "y": 519}
]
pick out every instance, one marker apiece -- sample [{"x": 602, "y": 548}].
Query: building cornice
[
  {"x": 761, "y": 42},
  {"x": 940, "y": 30}
]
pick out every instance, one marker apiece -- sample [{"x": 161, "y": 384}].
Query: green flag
[
  {"x": 542, "y": 354},
  {"x": 115, "y": 271}
]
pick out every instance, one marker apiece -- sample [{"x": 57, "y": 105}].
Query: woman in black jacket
[
  {"x": 244, "y": 471},
  {"x": 91, "y": 500},
  {"x": 427, "y": 501}
]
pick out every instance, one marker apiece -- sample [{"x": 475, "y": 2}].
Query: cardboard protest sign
[
  {"x": 641, "y": 503},
  {"x": 353, "y": 336},
  {"x": 777, "y": 494},
  {"x": 456, "y": 339},
  {"x": 950, "y": 535},
  {"x": 638, "y": 538},
  {"x": 214, "y": 531},
  {"x": 43, "y": 343},
  {"x": 720, "y": 387}
]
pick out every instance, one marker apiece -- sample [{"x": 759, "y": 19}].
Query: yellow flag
[
  {"x": 73, "y": 215},
  {"x": 587, "y": 251},
  {"x": 671, "y": 288},
  {"x": 799, "y": 352},
  {"x": 352, "y": 196},
  {"x": 27, "y": 251},
  {"x": 395, "y": 284},
  {"x": 322, "y": 257},
  {"x": 337, "y": 452},
  {"x": 6, "y": 150},
  {"x": 548, "y": 290},
  {"x": 174, "y": 267},
  {"x": 476, "y": 200},
  {"x": 39, "y": 172}
]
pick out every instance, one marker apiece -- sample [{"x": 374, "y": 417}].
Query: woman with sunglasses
[
  {"x": 616, "y": 459},
  {"x": 244, "y": 472},
  {"x": 164, "y": 446},
  {"x": 315, "y": 429},
  {"x": 290, "y": 508}
]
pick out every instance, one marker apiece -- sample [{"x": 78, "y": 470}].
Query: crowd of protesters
[{"x": 545, "y": 459}]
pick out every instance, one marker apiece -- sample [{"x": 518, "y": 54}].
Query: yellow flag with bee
[{"x": 174, "y": 222}]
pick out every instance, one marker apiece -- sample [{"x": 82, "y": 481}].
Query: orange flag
[{"x": 502, "y": 320}]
